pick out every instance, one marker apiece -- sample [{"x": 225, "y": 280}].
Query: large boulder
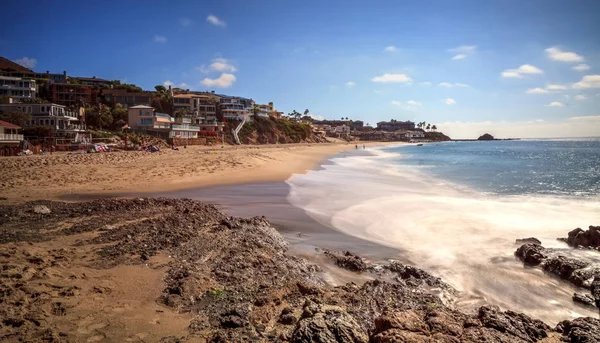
[
  {"x": 531, "y": 240},
  {"x": 531, "y": 254},
  {"x": 329, "y": 325},
  {"x": 516, "y": 324},
  {"x": 563, "y": 266},
  {"x": 595, "y": 288},
  {"x": 583, "y": 329},
  {"x": 347, "y": 260},
  {"x": 585, "y": 238},
  {"x": 486, "y": 137}
]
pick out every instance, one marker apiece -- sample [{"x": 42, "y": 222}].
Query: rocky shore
[{"x": 165, "y": 270}]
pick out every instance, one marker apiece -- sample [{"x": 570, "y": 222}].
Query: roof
[
  {"x": 6, "y": 64},
  {"x": 142, "y": 106},
  {"x": 7, "y": 124}
]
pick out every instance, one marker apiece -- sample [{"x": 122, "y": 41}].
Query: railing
[
  {"x": 10, "y": 137},
  {"x": 72, "y": 127},
  {"x": 185, "y": 127}
]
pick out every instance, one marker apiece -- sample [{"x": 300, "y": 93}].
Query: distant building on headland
[
  {"x": 395, "y": 125},
  {"x": 18, "y": 88}
]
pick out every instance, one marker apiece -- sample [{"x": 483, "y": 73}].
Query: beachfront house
[
  {"x": 145, "y": 119},
  {"x": 18, "y": 88},
  {"x": 9, "y": 135},
  {"x": 65, "y": 126}
]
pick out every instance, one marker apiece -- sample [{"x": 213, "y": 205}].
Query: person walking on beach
[
  {"x": 364, "y": 148},
  {"x": 356, "y": 146}
]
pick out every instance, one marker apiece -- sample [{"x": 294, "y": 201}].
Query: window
[
  {"x": 52, "y": 122},
  {"x": 146, "y": 121}
]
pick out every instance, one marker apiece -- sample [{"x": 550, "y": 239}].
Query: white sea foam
[{"x": 464, "y": 236}]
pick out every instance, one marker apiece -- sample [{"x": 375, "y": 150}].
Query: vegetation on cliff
[{"x": 272, "y": 130}]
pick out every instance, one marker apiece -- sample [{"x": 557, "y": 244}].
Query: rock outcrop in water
[
  {"x": 580, "y": 238},
  {"x": 231, "y": 279},
  {"x": 580, "y": 273},
  {"x": 486, "y": 137}
]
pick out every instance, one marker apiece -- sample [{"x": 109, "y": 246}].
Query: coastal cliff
[
  {"x": 166, "y": 270},
  {"x": 272, "y": 130}
]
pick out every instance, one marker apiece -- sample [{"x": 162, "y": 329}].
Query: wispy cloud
[
  {"x": 450, "y": 85},
  {"x": 580, "y": 97},
  {"x": 350, "y": 84},
  {"x": 588, "y": 81},
  {"x": 462, "y": 51},
  {"x": 465, "y": 49},
  {"x": 26, "y": 62},
  {"x": 160, "y": 39},
  {"x": 556, "y": 104},
  {"x": 525, "y": 69},
  {"x": 186, "y": 22},
  {"x": 396, "y": 103},
  {"x": 585, "y": 118},
  {"x": 392, "y": 78},
  {"x": 537, "y": 91},
  {"x": 581, "y": 67},
  {"x": 426, "y": 83},
  {"x": 390, "y": 48},
  {"x": 224, "y": 81},
  {"x": 168, "y": 83},
  {"x": 218, "y": 64},
  {"x": 449, "y": 101},
  {"x": 215, "y": 21},
  {"x": 556, "y": 87},
  {"x": 413, "y": 103},
  {"x": 556, "y": 54}
]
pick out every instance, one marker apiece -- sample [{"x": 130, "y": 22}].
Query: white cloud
[
  {"x": 186, "y": 22},
  {"x": 390, "y": 48},
  {"x": 556, "y": 54},
  {"x": 160, "y": 39},
  {"x": 449, "y": 101},
  {"x": 556, "y": 87},
  {"x": 522, "y": 70},
  {"x": 168, "y": 83},
  {"x": 413, "y": 103},
  {"x": 585, "y": 118},
  {"x": 218, "y": 64},
  {"x": 464, "y": 49},
  {"x": 223, "y": 81},
  {"x": 556, "y": 104},
  {"x": 588, "y": 81},
  {"x": 221, "y": 64},
  {"x": 529, "y": 69},
  {"x": 26, "y": 62},
  {"x": 215, "y": 21},
  {"x": 537, "y": 91},
  {"x": 396, "y": 103},
  {"x": 350, "y": 84},
  {"x": 459, "y": 57},
  {"x": 580, "y": 97},
  {"x": 450, "y": 85},
  {"x": 426, "y": 83},
  {"x": 572, "y": 127},
  {"x": 183, "y": 85},
  {"x": 389, "y": 78},
  {"x": 581, "y": 67}
]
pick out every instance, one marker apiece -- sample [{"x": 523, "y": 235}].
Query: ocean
[{"x": 455, "y": 209}]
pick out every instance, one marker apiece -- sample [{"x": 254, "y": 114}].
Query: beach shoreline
[{"x": 51, "y": 177}]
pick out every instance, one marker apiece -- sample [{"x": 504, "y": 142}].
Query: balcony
[
  {"x": 10, "y": 137},
  {"x": 72, "y": 127},
  {"x": 185, "y": 127}
]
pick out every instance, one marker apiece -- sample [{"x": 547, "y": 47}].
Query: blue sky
[{"x": 465, "y": 65}]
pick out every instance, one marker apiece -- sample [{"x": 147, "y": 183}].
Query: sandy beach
[{"x": 27, "y": 178}]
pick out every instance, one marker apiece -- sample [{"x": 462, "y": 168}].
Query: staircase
[{"x": 237, "y": 130}]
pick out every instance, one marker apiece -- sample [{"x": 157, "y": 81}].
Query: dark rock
[
  {"x": 405, "y": 320},
  {"x": 583, "y": 299},
  {"x": 580, "y": 330},
  {"x": 516, "y": 324},
  {"x": 531, "y": 240},
  {"x": 237, "y": 317},
  {"x": 347, "y": 260},
  {"x": 329, "y": 326},
  {"x": 287, "y": 319},
  {"x": 531, "y": 254},
  {"x": 486, "y": 137},
  {"x": 563, "y": 266},
  {"x": 307, "y": 289},
  {"x": 595, "y": 288},
  {"x": 585, "y": 238}
]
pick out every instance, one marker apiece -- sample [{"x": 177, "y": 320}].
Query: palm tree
[
  {"x": 434, "y": 128},
  {"x": 428, "y": 127}
]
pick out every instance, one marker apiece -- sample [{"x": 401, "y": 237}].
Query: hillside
[
  {"x": 436, "y": 136},
  {"x": 271, "y": 130}
]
